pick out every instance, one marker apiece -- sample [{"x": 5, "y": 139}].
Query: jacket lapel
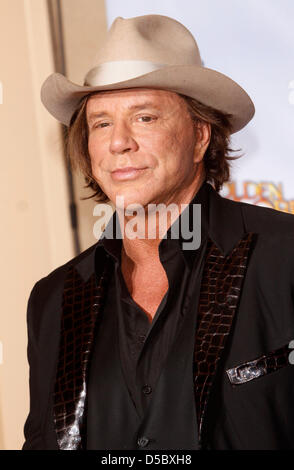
[
  {"x": 81, "y": 314},
  {"x": 226, "y": 260}
]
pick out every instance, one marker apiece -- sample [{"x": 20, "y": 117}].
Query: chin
[{"x": 122, "y": 199}]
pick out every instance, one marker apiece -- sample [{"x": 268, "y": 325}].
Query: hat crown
[{"x": 152, "y": 38}]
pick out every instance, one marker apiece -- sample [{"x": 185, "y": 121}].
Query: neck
[{"x": 143, "y": 251}]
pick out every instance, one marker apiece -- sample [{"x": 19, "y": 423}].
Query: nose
[{"x": 122, "y": 140}]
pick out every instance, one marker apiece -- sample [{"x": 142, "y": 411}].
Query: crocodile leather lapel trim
[
  {"x": 81, "y": 314},
  {"x": 219, "y": 295}
]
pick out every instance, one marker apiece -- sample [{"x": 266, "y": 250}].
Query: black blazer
[{"x": 244, "y": 380}]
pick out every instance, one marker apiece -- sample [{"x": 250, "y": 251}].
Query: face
[{"x": 143, "y": 146}]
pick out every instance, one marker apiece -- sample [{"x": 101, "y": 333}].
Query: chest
[{"x": 146, "y": 287}]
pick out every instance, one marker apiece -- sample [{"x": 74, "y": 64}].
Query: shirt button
[
  {"x": 146, "y": 389},
  {"x": 141, "y": 338},
  {"x": 143, "y": 441}
]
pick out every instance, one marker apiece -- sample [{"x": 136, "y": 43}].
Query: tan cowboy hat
[{"x": 151, "y": 51}]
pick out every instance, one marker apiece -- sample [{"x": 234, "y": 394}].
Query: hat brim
[{"x": 61, "y": 97}]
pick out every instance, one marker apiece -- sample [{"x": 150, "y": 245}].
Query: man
[{"x": 149, "y": 342}]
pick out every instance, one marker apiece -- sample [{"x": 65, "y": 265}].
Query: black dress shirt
[{"x": 143, "y": 346}]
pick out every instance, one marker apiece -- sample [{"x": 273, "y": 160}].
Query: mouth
[{"x": 127, "y": 173}]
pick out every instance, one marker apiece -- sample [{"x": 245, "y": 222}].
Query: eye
[
  {"x": 147, "y": 118},
  {"x": 100, "y": 125}
]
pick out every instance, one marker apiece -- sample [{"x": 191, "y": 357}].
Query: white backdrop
[{"x": 251, "y": 41}]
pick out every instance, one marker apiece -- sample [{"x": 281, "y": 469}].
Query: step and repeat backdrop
[{"x": 253, "y": 43}]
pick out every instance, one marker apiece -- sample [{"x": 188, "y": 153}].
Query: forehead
[{"x": 133, "y": 97}]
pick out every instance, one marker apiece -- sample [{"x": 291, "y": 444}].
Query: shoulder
[
  {"x": 55, "y": 278},
  {"x": 274, "y": 249},
  {"x": 46, "y": 295},
  {"x": 272, "y": 258},
  {"x": 266, "y": 221}
]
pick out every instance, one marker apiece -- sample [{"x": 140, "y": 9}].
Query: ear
[{"x": 203, "y": 135}]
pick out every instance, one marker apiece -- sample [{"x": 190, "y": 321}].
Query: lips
[{"x": 127, "y": 173}]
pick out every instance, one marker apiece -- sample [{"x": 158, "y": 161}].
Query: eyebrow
[
  {"x": 134, "y": 107},
  {"x": 146, "y": 104}
]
